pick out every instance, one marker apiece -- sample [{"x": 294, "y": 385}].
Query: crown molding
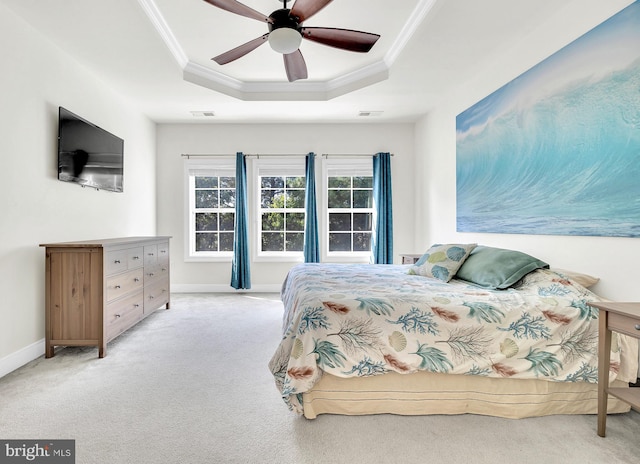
[
  {"x": 285, "y": 91},
  {"x": 418, "y": 15},
  {"x": 160, "y": 24}
]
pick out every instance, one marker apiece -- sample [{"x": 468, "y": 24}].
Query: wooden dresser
[{"x": 97, "y": 289}]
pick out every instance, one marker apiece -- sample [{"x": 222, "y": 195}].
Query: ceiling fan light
[{"x": 285, "y": 40}]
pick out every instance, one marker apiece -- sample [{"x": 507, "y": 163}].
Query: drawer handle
[
  {"x": 136, "y": 305},
  {"x": 150, "y": 254},
  {"x": 117, "y": 261},
  {"x": 117, "y": 286},
  {"x": 136, "y": 257},
  {"x": 151, "y": 297},
  {"x": 117, "y": 316},
  {"x": 151, "y": 274},
  {"x": 136, "y": 280},
  {"x": 637, "y": 326}
]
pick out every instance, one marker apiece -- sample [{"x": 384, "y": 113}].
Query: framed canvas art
[{"x": 557, "y": 150}]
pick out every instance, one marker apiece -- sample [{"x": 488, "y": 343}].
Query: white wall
[
  {"x": 36, "y": 208},
  {"x": 174, "y": 140},
  {"x": 612, "y": 259}
]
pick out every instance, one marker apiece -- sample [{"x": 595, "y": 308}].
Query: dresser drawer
[
  {"x": 122, "y": 314},
  {"x": 156, "y": 295},
  {"x": 150, "y": 255},
  {"x": 154, "y": 273},
  {"x": 163, "y": 253},
  {"x": 122, "y": 284},
  {"x": 624, "y": 324},
  {"x": 115, "y": 261},
  {"x": 135, "y": 257}
]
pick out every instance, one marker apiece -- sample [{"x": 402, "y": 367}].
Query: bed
[{"x": 372, "y": 339}]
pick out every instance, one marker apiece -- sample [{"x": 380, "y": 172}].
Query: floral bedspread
[{"x": 362, "y": 319}]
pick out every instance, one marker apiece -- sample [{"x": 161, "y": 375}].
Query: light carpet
[{"x": 191, "y": 385}]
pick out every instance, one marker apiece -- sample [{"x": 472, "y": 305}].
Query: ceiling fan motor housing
[
  {"x": 285, "y": 32},
  {"x": 281, "y": 18}
]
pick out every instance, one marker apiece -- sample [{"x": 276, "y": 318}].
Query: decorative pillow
[
  {"x": 497, "y": 268},
  {"x": 585, "y": 280},
  {"x": 442, "y": 261}
]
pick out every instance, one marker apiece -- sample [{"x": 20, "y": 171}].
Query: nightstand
[
  {"x": 623, "y": 318},
  {"x": 409, "y": 258}
]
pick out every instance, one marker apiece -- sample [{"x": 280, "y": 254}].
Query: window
[
  {"x": 212, "y": 193},
  {"x": 280, "y": 191},
  {"x": 349, "y": 212},
  {"x": 215, "y": 211},
  {"x": 282, "y": 213}
]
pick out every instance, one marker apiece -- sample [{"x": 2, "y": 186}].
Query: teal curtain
[
  {"x": 382, "y": 237},
  {"x": 240, "y": 270},
  {"x": 311, "y": 241}
]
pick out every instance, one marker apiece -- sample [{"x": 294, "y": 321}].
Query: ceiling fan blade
[
  {"x": 240, "y": 51},
  {"x": 346, "y": 39},
  {"x": 304, "y": 9},
  {"x": 238, "y": 8},
  {"x": 295, "y": 66}
]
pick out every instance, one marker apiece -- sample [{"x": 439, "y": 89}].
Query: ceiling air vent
[
  {"x": 365, "y": 114},
  {"x": 203, "y": 114}
]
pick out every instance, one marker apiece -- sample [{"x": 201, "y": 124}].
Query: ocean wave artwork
[{"x": 557, "y": 150}]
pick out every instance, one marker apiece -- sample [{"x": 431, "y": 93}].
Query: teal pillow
[
  {"x": 497, "y": 268},
  {"x": 442, "y": 261}
]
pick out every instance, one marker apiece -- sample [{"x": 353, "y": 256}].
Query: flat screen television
[{"x": 88, "y": 155}]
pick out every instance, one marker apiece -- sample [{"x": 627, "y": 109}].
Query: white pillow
[{"x": 585, "y": 280}]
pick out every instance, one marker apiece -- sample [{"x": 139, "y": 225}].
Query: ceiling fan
[{"x": 286, "y": 33}]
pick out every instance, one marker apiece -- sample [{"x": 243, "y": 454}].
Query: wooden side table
[
  {"x": 409, "y": 258},
  {"x": 623, "y": 318}
]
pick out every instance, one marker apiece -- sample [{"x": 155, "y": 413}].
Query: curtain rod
[
  {"x": 258, "y": 155},
  {"x": 228, "y": 155},
  {"x": 326, "y": 155}
]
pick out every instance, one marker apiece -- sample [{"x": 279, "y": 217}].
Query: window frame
[
  {"x": 343, "y": 167},
  {"x": 272, "y": 166},
  {"x": 223, "y": 167}
]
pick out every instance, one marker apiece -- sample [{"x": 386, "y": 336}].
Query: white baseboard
[
  {"x": 21, "y": 357},
  {"x": 217, "y": 288}
]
